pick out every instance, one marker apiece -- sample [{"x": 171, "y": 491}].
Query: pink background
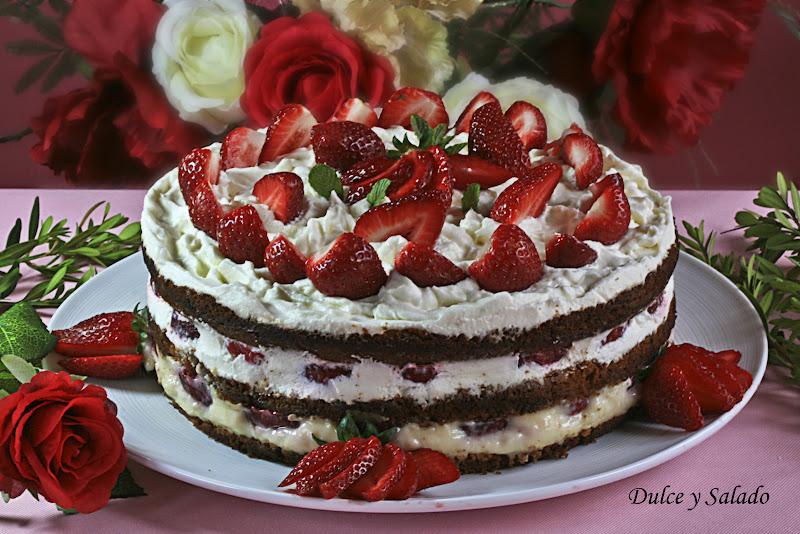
[{"x": 754, "y": 135}]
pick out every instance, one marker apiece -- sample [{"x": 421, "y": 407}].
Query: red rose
[
  {"x": 308, "y": 61},
  {"x": 671, "y": 61},
  {"x": 63, "y": 440}
]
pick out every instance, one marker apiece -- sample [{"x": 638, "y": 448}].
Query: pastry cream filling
[{"x": 521, "y": 433}]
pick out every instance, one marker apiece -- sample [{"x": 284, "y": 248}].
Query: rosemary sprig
[
  {"x": 63, "y": 258},
  {"x": 769, "y": 274}
]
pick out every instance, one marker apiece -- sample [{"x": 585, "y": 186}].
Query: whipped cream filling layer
[
  {"x": 188, "y": 257},
  {"x": 284, "y": 372},
  {"x": 516, "y": 434}
]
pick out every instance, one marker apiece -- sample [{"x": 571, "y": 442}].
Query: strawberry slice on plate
[
  {"x": 242, "y": 237},
  {"x": 356, "y": 110},
  {"x": 510, "y": 264},
  {"x": 406, "y": 486},
  {"x": 418, "y": 217},
  {"x": 284, "y": 261},
  {"x": 581, "y": 153},
  {"x": 106, "y": 333},
  {"x": 289, "y": 130},
  {"x": 407, "y": 101},
  {"x": 493, "y": 138},
  {"x": 566, "y": 251},
  {"x": 111, "y": 366},
  {"x": 309, "y": 484},
  {"x": 609, "y": 215},
  {"x": 312, "y": 462},
  {"x": 434, "y": 468},
  {"x": 668, "y": 398},
  {"x": 366, "y": 458},
  {"x": 467, "y": 170},
  {"x": 283, "y": 193},
  {"x": 464, "y": 120},
  {"x": 528, "y": 196},
  {"x": 197, "y": 171},
  {"x": 241, "y": 148},
  {"x": 341, "y": 144},
  {"x": 528, "y": 121},
  {"x": 350, "y": 268},
  {"x": 426, "y": 267},
  {"x": 376, "y": 483}
]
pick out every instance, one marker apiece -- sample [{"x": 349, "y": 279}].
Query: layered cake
[{"x": 491, "y": 291}]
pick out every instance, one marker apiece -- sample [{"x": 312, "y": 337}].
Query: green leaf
[
  {"x": 30, "y": 47},
  {"x": 470, "y": 199},
  {"x": 33, "y": 220},
  {"x": 378, "y": 191},
  {"x": 126, "y": 487},
  {"x": 36, "y": 71},
  {"x": 5, "y": 496},
  {"x": 8, "y": 282},
  {"x": 324, "y": 180},
  {"x": 387, "y": 435},
  {"x": 347, "y": 428},
  {"x": 67, "y": 511},
  {"x": 318, "y": 440},
  {"x": 23, "y": 333},
  {"x": 14, "y": 234},
  {"x": 21, "y": 369},
  {"x": 132, "y": 231},
  {"x": 8, "y": 383},
  {"x": 4, "y": 393},
  {"x": 454, "y": 149}
]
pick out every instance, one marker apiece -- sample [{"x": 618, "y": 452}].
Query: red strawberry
[
  {"x": 434, "y": 468},
  {"x": 369, "y": 168},
  {"x": 407, "y": 485},
  {"x": 581, "y": 153},
  {"x": 362, "y": 176},
  {"x": 703, "y": 376},
  {"x": 356, "y": 110},
  {"x": 442, "y": 179},
  {"x": 553, "y": 148},
  {"x": 474, "y": 170},
  {"x": 492, "y": 137},
  {"x": 418, "y": 217},
  {"x": 730, "y": 355},
  {"x": 341, "y": 144},
  {"x": 282, "y": 192},
  {"x": 107, "y": 333},
  {"x": 407, "y": 101},
  {"x": 309, "y": 484},
  {"x": 313, "y": 461},
  {"x": 250, "y": 354},
  {"x": 610, "y": 214},
  {"x": 289, "y": 130},
  {"x": 196, "y": 172},
  {"x": 241, "y": 148},
  {"x": 528, "y": 196},
  {"x": 383, "y": 476},
  {"x": 566, "y": 251},
  {"x": 510, "y": 264},
  {"x": 668, "y": 399},
  {"x": 112, "y": 366},
  {"x": 465, "y": 119},
  {"x": 242, "y": 237},
  {"x": 204, "y": 209},
  {"x": 422, "y": 164},
  {"x": 350, "y": 268},
  {"x": 367, "y": 457},
  {"x": 284, "y": 261},
  {"x": 529, "y": 124},
  {"x": 426, "y": 267}
]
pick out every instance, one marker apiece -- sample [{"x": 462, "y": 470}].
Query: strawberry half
[
  {"x": 421, "y": 172},
  {"x": 407, "y": 101},
  {"x": 196, "y": 172},
  {"x": 528, "y": 196},
  {"x": 510, "y": 264},
  {"x": 418, "y": 217},
  {"x": 113, "y": 366},
  {"x": 581, "y": 153},
  {"x": 434, "y": 468},
  {"x": 283, "y": 193},
  {"x": 464, "y": 120},
  {"x": 107, "y": 333},
  {"x": 528, "y": 121},
  {"x": 356, "y": 110},
  {"x": 312, "y": 462},
  {"x": 553, "y": 148},
  {"x": 566, "y": 251},
  {"x": 242, "y": 237},
  {"x": 341, "y": 144},
  {"x": 309, "y": 484},
  {"x": 350, "y": 268},
  {"x": 289, "y": 130},
  {"x": 609, "y": 215},
  {"x": 367, "y": 457},
  {"x": 284, "y": 261},
  {"x": 383, "y": 476},
  {"x": 668, "y": 399},
  {"x": 467, "y": 170},
  {"x": 426, "y": 267},
  {"x": 492, "y": 137},
  {"x": 442, "y": 178},
  {"x": 241, "y": 148}
]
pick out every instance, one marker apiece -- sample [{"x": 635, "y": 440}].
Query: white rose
[
  {"x": 198, "y": 55},
  {"x": 559, "y": 108}
]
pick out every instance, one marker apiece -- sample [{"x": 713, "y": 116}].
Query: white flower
[
  {"x": 198, "y": 55},
  {"x": 559, "y": 108}
]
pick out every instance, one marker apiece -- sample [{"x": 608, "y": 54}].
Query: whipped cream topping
[
  {"x": 282, "y": 371},
  {"x": 188, "y": 257}
]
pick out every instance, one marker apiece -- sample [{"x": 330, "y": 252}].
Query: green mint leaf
[
  {"x": 5, "y": 496},
  {"x": 23, "y": 333},
  {"x": 393, "y": 154},
  {"x": 348, "y": 428},
  {"x": 19, "y": 368},
  {"x": 370, "y": 430},
  {"x": 141, "y": 319},
  {"x": 387, "y": 435},
  {"x": 318, "y": 440},
  {"x": 469, "y": 201},
  {"x": 378, "y": 191},
  {"x": 454, "y": 149},
  {"x": 126, "y": 487},
  {"x": 67, "y": 511},
  {"x": 324, "y": 180}
]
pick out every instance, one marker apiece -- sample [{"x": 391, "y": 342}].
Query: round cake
[{"x": 508, "y": 325}]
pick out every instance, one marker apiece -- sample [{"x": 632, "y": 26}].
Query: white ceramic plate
[{"x": 711, "y": 313}]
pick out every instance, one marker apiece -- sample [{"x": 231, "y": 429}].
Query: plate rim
[{"x": 446, "y": 504}]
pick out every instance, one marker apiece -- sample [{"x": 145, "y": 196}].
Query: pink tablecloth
[{"x": 760, "y": 447}]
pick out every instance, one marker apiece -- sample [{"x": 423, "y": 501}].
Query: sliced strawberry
[
  {"x": 398, "y": 171},
  {"x": 205, "y": 210},
  {"x": 407, "y": 101},
  {"x": 422, "y": 166},
  {"x": 492, "y": 137},
  {"x": 242, "y": 237},
  {"x": 668, "y": 399},
  {"x": 468, "y": 170},
  {"x": 367, "y": 169},
  {"x": 341, "y": 144},
  {"x": 241, "y": 148},
  {"x": 418, "y": 217},
  {"x": 107, "y": 333},
  {"x": 196, "y": 172},
  {"x": 529, "y": 124},
  {"x": 282, "y": 192},
  {"x": 510, "y": 264},
  {"x": 112, "y": 366},
  {"x": 356, "y": 110},
  {"x": 434, "y": 468},
  {"x": 743, "y": 378},
  {"x": 289, "y": 130},
  {"x": 250, "y": 354},
  {"x": 312, "y": 461},
  {"x": 426, "y": 267},
  {"x": 385, "y": 474},
  {"x": 610, "y": 214},
  {"x": 566, "y": 251},
  {"x": 350, "y": 268},
  {"x": 406, "y": 486},
  {"x": 528, "y": 196},
  {"x": 367, "y": 457},
  {"x": 309, "y": 484},
  {"x": 702, "y": 375},
  {"x": 730, "y": 355},
  {"x": 284, "y": 261},
  {"x": 581, "y": 153},
  {"x": 442, "y": 179},
  {"x": 553, "y": 148},
  {"x": 465, "y": 119}
]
